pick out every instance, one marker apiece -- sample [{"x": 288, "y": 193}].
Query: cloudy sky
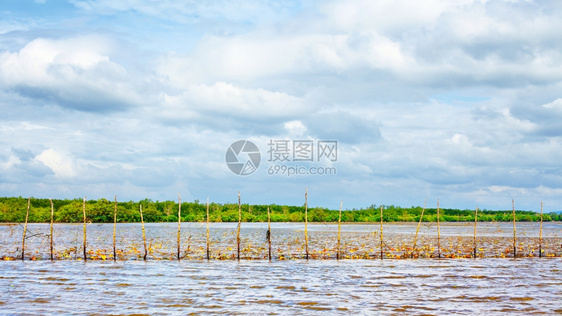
[{"x": 453, "y": 100}]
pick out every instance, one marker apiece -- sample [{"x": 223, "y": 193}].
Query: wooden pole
[
  {"x": 438, "y": 233},
  {"x": 115, "y": 229},
  {"x": 269, "y": 231},
  {"x": 382, "y": 254},
  {"x": 540, "y": 236},
  {"x": 208, "y": 235},
  {"x": 418, "y": 228},
  {"x": 179, "y": 226},
  {"x": 143, "y": 233},
  {"x": 339, "y": 233},
  {"x": 239, "y": 225},
  {"x": 84, "y": 217},
  {"x": 306, "y": 221},
  {"x": 474, "y": 239},
  {"x": 514, "y": 231},
  {"x": 52, "y": 220},
  {"x": 25, "y": 230}
]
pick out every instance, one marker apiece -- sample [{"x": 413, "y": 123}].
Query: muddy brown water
[
  {"x": 357, "y": 240},
  {"x": 425, "y": 286},
  {"x": 418, "y": 287}
]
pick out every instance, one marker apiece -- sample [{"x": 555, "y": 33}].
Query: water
[
  {"x": 429, "y": 286},
  {"x": 288, "y": 242},
  {"x": 288, "y": 285}
]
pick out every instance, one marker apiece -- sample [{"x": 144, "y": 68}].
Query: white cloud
[
  {"x": 33, "y": 62},
  {"x": 75, "y": 73},
  {"x": 225, "y": 99},
  {"x": 10, "y": 162},
  {"x": 440, "y": 45},
  {"x": 295, "y": 128},
  {"x": 262, "y": 56},
  {"x": 555, "y": 105},
  {"x": 452, "y": 98},
  {"x": 62, "y": 165}
]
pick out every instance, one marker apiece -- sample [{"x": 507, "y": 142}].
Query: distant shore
[{"x": 13, "y": 210}]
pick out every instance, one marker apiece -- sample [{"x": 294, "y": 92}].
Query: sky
[{"x": 458, "y": 101}]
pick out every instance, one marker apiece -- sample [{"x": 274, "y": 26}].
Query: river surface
[
  {"x": 299, "y": 287},
  {"x": 492, "y": 283},
  {"x": 357, "y": 241}
]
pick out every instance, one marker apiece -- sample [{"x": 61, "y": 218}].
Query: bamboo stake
[
  {"x": 339, "y": 233},
  {"x": 179, "y": 225},
  {"x": 514, "y": 231},
  {"x": 438, "y": 233},
  {"x": 474, "y": 240},
  {"x": 418, "y": 228},
  {"x": 306, "y": 221},
  {"x": 143, "y": 232},
  {"x": 115, "y": 230},
  {"x": 208, "y": 235},
  {"x": 540, "y": 236},
  {"x": 51, "y": 234},
  {"x": 25, "y": 230},
  {"x": 239, "y": 225},
  {"x": 84, "y": 217},
  {"x": 382, "y": 254},
  {"x": 269, "y": 231}
]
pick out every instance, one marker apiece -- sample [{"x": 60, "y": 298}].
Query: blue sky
[{"x": 452, "y": 100}]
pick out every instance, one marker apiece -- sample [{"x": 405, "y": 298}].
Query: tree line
[{"x": 13, "y": 210}]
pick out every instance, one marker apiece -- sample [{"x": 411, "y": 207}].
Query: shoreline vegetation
[{"x": 15, "y": 210}]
